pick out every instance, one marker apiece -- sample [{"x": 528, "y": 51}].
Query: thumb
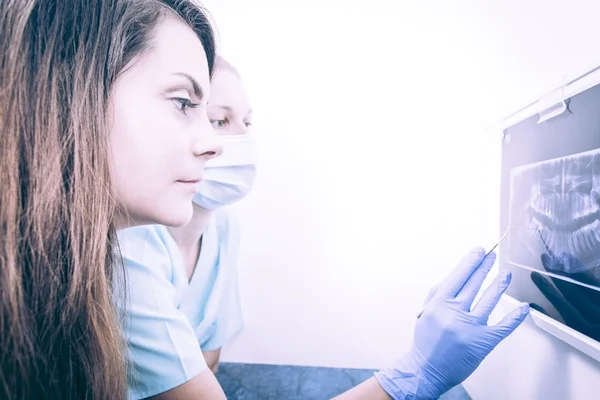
[
  {"x": 509, "y": 323},
  {"x": 431, "y": 293}
]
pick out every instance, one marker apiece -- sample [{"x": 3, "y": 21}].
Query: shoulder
[
  {"x": 145, "y": 247},
  {"x": 132, "y": 240}
]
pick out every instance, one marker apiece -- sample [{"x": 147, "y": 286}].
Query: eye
[
  {"x": 248, "y": 124},
  {"x": 183, "y": 104},
  {"x": 219, "y": 123}
]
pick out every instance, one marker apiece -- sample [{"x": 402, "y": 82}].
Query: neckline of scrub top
[
  {"x": 203, "y": 293},
  {"x": 209, "y": 253},
  {"x": 208, "y": 245}
]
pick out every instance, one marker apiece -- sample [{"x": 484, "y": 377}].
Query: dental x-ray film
[
  {"x": 555, "y": 209},
  {"x": 550, "y": 209}
]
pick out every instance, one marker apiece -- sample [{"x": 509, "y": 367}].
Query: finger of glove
[
  {"x": 431, "y": 294},
  {"x": 491, "y": 296},
  {"x": 452, "y": 285},
  {"x": 508, "y": 324},
  {"x": 469, "y": 291}
]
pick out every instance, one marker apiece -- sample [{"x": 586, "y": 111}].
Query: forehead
[
  {"x": 177, "y": 48},
  {"x": 227, "y": 90}
]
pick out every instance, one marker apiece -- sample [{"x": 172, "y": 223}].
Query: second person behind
[{"x": 184, "y": 299}]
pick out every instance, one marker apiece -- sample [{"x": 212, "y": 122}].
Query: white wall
[{"x": 376, "y": 174}]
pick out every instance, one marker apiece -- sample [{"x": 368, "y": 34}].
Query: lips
[
  {"x": 191, "y": 181},
  {"x": 190, "y": 184},
  {"x": 195, "y": 181}
]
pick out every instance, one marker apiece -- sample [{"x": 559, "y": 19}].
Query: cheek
[
  {"x": 147, "y": 159},
  {"x": 142, "y": 149}
]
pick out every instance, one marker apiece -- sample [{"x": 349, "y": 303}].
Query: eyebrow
[
  {"x": 227, "y": 108},
  {"x": 198, "y": 92}
]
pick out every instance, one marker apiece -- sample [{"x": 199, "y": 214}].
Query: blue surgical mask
[{"x": 230, "y": 176}]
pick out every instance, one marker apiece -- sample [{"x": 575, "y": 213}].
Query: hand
[
  {"x": 430, "y": 294},
  {"x": 450, "y": 339},
  {"x": 579, "y": 306}
]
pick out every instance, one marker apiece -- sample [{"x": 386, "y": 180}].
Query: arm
[
  {"x": 228, "y": 320},
  {"x": 451, "y": 336},
  {"x": 203, "y": 386},
  {"x": 368, "y": 390},
  {"x": 212, "y": 359}
]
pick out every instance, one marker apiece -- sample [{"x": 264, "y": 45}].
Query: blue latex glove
[{"x": 450, "y": 339}]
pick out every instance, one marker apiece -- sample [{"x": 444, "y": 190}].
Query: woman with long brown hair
[{"x": 103, "y": 125}]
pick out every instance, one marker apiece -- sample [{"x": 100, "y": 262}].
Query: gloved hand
[
  {"x": 450, "y": 339},
  {"x": 579, "y": 306}
]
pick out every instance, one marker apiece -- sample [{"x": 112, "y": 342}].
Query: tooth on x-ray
[{"x": 559, "y": 200}]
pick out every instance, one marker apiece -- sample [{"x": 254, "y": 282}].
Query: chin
[
  {"x": 176, "y": 216},
  {"x": 177, "y": 221}
]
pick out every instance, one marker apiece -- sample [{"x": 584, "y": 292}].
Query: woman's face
[
  {"x": 229, "y": 107},
  {"x": 229, "y": 177},
  {"x": 161, "y": 136}
]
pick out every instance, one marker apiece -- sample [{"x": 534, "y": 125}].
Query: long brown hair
[{"x": 60, "y": 336}]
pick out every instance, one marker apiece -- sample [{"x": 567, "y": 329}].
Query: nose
[{"x": 207, "y": 144}]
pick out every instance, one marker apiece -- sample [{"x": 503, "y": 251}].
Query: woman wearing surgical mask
[
  {"x": 184, "y": 297},
  {"x": 227, "y": 179},
  {"x": 184, "y": 301}
]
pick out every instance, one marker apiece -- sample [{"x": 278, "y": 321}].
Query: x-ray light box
[{"x": 550, "y": 200}]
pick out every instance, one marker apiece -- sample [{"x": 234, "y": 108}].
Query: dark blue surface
[{"x": 282, "y": 382}]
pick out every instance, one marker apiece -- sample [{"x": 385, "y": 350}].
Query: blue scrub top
[{"x": 170, "y": 321}]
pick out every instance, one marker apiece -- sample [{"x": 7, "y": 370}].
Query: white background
[{"x": 376, "y": 172}]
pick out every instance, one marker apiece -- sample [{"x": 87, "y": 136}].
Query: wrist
[{"x": 406, "y": 381}]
